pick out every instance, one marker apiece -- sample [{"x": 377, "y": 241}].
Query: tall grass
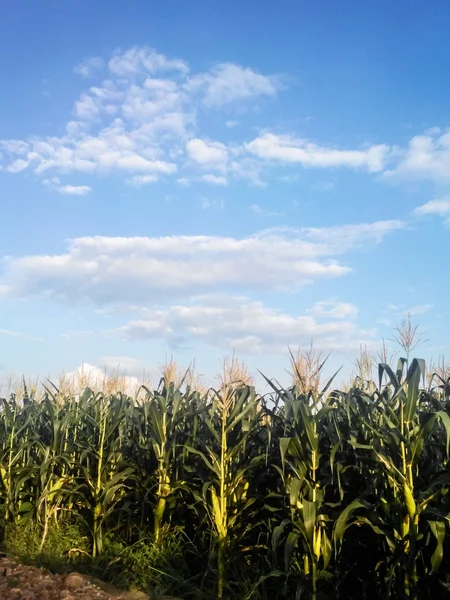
[{"x": 305, "y": 492}]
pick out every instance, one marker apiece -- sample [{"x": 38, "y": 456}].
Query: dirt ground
[{"x": 21, "y": 582}]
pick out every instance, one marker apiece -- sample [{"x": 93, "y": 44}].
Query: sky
[{"x": 192, "y": 179}]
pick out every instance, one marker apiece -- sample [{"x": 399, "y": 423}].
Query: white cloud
[
  {"x": 98, "y": 376},
  {"x": 227, "y": 83},
  {"x": 132, "y": 123},
  {"x": 439, "y": 207},
  {"x": 243, "y": 324},
  {"x": 90, "y": 66},
  {"x": 207, "y": 203},
  {"x": 342, "y": 238},
  {"x": 214, "y": 179},
  {"x": 141, "y": 120},
  {"x": 402, "y": 311},
  {"x": 66, "y": 190},
  {"x": 396, "y": 312},
  {"x": 14, "y": 147},
  {"x": 113, "y": 150},
  {"x": 207, "y": 153},
  {"x": 333, "y": 309},
  {"x": 140, "y": 180},
  {"x": 420, "y": 309},
  {"x": 86, "y": 108},
  {"x": 138, "y": 60},
  {"x": 17, "y": 166},
  {"x": 426, "y": 158},
  {"x": 289, "y": 149},
  {"x": 159, "y": 105},
  {"x": 74, "y": 190},
  {"x": 108, "y": 270},
  {"x": 248, "y": 169}
]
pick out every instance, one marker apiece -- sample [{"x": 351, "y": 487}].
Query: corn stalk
[{"x": 230, "y": 421}]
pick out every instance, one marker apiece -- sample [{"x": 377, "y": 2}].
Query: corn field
[{"x": 298, "y": 493}]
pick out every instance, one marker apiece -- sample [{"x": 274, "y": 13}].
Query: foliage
[{"x": 306, "y": 492}]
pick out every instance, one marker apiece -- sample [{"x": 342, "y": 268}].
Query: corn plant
[
  {"x": 164, "y": 426},
  {"x": 104, "y": 473},
  {"x": 300, "y": 493},
  {"x": 230, "y": 420},
  {"x": 16, "y": 460},
  {"x": 402, "y": 502},
  {"x": 306, "y": 531}
]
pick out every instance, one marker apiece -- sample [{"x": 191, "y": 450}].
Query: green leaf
[
  {"x": 445, "y": 420},
  {"x": 413, "y": 377},
  {"x": 342, "y": 523},
  {"x": 294, "y": 492},
  {"x": 330, "y": 381},
  {"x": 290, "y": 546},
  {"x": 277, "y": 533},
  {"x": 309, "y": 520},
  {"x": 284, "y": 447},
  {"x": 207, "y": 462},
  {"x": 385, "y": 368},
  {"x": 438, "y": 528}
]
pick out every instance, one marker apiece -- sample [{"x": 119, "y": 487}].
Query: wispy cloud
[
  {"x": 76, "y": 334},
  {"x": 214, "y": 179},
  {"x": 208, "y": 203},
  {"x": 333, "y": 309},
  {"x": 440, "y": 208},
  {"x": 90, "y": 66},
  {"x": 404, "y": 311},
  {"x": 257, "y": 209},
  {"x": 140, "y": 180},
  {"x": 322, "y": 186},
  {"x": 19, "y": 334},
  {"x": 227, "y": 83},
  {"x": 397, "y": 312},
  {"x": 137, "y": 60}
]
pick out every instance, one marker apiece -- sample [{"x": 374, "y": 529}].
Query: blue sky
[{"x": 189, "y": 178}]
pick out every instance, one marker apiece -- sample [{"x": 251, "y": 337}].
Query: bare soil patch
[{"x": 23, "y": 582}]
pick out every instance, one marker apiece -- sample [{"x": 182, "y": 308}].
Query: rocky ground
[{"x": 20, "y": 582}]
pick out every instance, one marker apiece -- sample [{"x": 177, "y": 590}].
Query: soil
[{"x": 21, "y": 582}]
